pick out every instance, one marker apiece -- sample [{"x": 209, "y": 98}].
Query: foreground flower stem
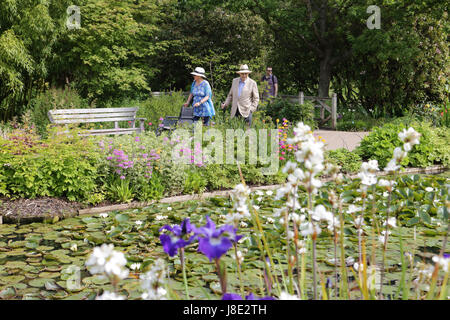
[
  {"x": 183, "y": 268},
  {"x": 344, "y": 287},
  {"x": 238, "y": 264},
  {"x": 288, "y": 253},
  {"x": 314, "y": 265},
  {"x": 385, "y": 242},
  {"x": 222, "y": 279}
]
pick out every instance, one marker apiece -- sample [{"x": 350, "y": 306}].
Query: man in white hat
[{"x": 243, "y": 95}]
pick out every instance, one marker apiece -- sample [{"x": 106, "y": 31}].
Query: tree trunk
[{"x": 325, "y": 74}]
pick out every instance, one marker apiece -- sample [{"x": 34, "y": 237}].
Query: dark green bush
[
  {"x": 53, "y": 98},
  {"x": 294, "y": 112}
]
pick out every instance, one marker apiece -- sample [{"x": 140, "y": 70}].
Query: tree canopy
[{"x": 125, "y": 49}]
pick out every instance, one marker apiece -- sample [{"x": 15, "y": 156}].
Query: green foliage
[
  {"x": 119, "y": 190},
  {"x": 108, "y": 56},
  {"x": 159, "y": 107},
  {"x": 348, "y": 161},
  {"x": 53, "y": 98},
  {"x": 28, "y": 33},
  {"x": 381, "y": 142},
  {"x": 195, "y": 182},
  {"x": 293, "y": 112},
  {"x": 59, "y": 166}
]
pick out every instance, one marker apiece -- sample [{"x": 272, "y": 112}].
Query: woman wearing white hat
[{"x": 201, "y": 94}]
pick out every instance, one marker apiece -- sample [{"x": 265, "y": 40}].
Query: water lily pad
[
  {"x": 11, "y": 279},
  {"x": 8, "y": 293},
  {"x": 15, "y": 264},
  {"x": 95, "y": 280},
  {"x": 39, "y": 282},
  {"x": 17, "y": 244},
  {"x": 49, "y": 275},
  {"x": 20, "y": 286},
  {"x": 44, "y": 248}
]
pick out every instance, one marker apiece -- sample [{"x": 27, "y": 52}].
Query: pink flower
[
  {"x": 149, "y": 123},
  {"x": 122, "y": 177},
  {"x": 161, "y": 119}
]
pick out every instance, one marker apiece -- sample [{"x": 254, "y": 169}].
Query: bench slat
[
  {"x": 92, "y": 120},
  {"x": 93, "y": 115},
  {"x": 96, "y": 110}
]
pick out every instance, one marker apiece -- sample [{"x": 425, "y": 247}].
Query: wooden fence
[{"x": 319, "y": 102}]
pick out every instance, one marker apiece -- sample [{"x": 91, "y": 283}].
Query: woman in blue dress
[{"x": 201, "y": 95}]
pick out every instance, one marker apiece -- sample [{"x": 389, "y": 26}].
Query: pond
[{"x": 44, "y": 260}]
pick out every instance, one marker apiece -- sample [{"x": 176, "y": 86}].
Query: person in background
[
  {"x": 201, "y": 95},
  {"x": 271, "y": 89},
  {"x": 243, "y": 95}
]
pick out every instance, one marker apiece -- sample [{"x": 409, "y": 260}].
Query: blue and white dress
[{"x": 199, "y": 92}]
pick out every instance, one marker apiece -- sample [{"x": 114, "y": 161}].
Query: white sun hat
[
  {"x": 243, "y": 69},
  {"x": 199, "y": 71}
]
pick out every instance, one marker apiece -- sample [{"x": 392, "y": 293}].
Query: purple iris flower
[
  {"x": 172, "y": 242},
  {"x": 251, "y": 296},
  {"x": 213, "y": 242}
]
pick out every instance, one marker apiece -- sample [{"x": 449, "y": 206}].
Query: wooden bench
[{"x": 99, "y": 115}]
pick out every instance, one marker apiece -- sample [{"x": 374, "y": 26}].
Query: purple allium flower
[
  {"x": 161, "y": 119},
  {"x": 172, "y": 242},
  {"x": 122, "y": 177},
  {"x": 137, "y": 139},
  {"x": 213, "y": 242}
]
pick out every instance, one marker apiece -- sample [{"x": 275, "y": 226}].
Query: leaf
[{"x": 413, "y": 221}]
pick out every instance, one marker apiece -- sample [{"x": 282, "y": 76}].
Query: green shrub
[
  {"x": 60, "y": 166},
  {"x": 381, "y": 142},
  {"x": 294, "y": 112},
  {"x": 347, "y": 160},
  {"x": 155, "y": 108},
  {"x": 195, "y": 182},
  {"x": 53, "y": 98}
]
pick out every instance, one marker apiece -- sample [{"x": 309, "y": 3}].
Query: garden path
[{"x": 340, "y": 139}]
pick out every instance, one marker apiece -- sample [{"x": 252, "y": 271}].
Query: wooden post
[
  {"x": 301, "y": 97},
  {"x": 334, "y": 111}
]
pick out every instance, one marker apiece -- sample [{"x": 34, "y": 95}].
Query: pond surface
[{"x": 43, "y": 261}]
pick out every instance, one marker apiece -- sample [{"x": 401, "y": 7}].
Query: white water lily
[
  {"x": 160, "y": 217},
  {"x": 74, "y": 247},
  {"x": 169, "y": 208},
  {"x": 429, "y": 189},
  {"x": 138, "y": 222},
  {"x": 269, "y": 192},
  {"x": 103, "y": 215}
]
